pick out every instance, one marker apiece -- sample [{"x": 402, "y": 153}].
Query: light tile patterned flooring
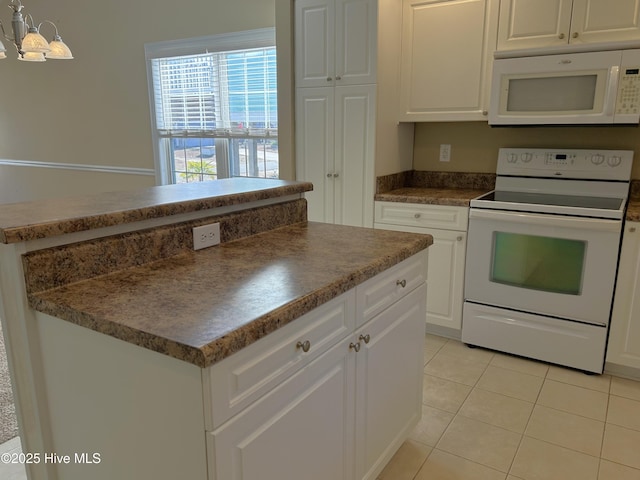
[{"x": 491, "y": 416}]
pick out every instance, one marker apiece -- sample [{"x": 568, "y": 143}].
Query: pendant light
[{"x": 30, "y": 44}]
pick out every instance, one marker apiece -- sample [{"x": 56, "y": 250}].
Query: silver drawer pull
[
  {"x": 417, "y": 215},
  {"x": 365, "y": 338},
  {"x": 402, "y": 283},
  {"x": 305, "y": 346},
  {"x": 354, "y": 346},
  {"x": 459, "y": 238}
]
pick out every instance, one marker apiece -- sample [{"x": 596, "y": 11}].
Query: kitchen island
[{"x": 141, "y": 358}]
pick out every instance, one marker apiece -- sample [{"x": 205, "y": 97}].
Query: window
[{"x": 214, "y": 107}]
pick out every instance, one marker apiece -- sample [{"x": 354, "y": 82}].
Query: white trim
[{"x": 78, "y": 166}]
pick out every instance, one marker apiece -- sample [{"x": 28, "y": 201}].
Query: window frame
[{"x": 263, "y": 37}]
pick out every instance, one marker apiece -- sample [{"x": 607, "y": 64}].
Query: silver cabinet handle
[
  {"x": 365, "y": 338},
  {"x": 485, "y": 113},
  {"x": 459, "y": 238},
  {"x": 305, "y": 346},
  {"x": 575, "y": 35},
  {"x": 329, "y": 79},
  {"x": 632, "y": 229},
  {"x": 338, "y": 77},
  {"x": 416, "y": 215},
  {"x": 336, "y": 175},
  {"x": 402, "y": 283},
  {"x": 354, "y": 346},
  {"x": 561, "y": 36},
  {"x": 329, "y": 175}
]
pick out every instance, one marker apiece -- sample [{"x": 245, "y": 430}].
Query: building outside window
[{"x": 214, "y": 107}]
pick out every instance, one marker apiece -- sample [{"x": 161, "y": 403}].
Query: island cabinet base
[{"x": 341, "y": 392}]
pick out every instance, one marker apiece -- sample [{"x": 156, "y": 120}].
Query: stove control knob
[
  {"x": 526, "y": 157},
  {"x": 597, "y": 159},
  {"x": 614, "y": 161},
  {"x": 513, "y": 158}
]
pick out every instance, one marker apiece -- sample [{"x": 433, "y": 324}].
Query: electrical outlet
[
  {"x": 445, "y": 152},
  {"x": 206, "y": 236}
]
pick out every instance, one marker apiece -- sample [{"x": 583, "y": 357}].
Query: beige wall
[
  {"x": 95, "y": 109},
  {"x": 474, "y": 145}
]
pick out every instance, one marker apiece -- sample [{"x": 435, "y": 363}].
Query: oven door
[{"x": 548, "y": 264}]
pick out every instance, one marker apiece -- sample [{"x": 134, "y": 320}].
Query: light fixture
[{"x": 30, "y": 44}]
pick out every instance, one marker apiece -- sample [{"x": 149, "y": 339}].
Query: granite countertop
[
  {"x": 434, "y": 196},
  {"x": 633, "y": 210},
  {"x": 20, "y": 222},
  {"x": 201, "y": 306}
]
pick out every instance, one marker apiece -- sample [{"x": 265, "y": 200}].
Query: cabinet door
[
  {"x": 302, "y": 429},
  {"x": 605, "y": 21},
  {"x": 533, "y": 23},
  {"x": 447, "y": 57},
  {"x": 624, "y": 334},
  {"x": 314, "y": 42},
  {"x": 353, "y": 175},
  {"x": 356, "y": 41},
  {"x": 445, "y": 277},
  {"x": 315, "y": 149},
  {"x": 389, "y": 382}
]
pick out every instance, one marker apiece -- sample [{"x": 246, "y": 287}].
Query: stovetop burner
[{"x": 600, "y": 203}]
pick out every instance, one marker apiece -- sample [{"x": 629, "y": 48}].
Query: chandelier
[{"x": 31, "y": 46}]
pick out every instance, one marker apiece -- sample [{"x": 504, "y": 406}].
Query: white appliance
[
  {"x": 542, "y": 255},
  {"x": 574, "y": 88}
]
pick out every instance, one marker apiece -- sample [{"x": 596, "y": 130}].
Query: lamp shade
[
  {"x": 59, "y": 49},
  {"x": 34, "y": 42},
  {"x": 32, "y": 57}
]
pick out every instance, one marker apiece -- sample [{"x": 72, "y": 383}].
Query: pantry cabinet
[
  {"x": 445, "y": 271},
  {"x": 335, "y": 142},
  {"x": 335, "y": 42},
  {"x": 526, "y": 24},
  {"x": 335, "y": 112},
  {"x": 341, "y": 415},
  {"x": 624, "y": 335},
  {"x": 447, "y": 58}
]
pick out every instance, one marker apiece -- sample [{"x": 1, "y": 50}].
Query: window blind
[{"x": 222, "y": 94}]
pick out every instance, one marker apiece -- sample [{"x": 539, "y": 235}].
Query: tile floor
[{"x": 490, "y": 416}]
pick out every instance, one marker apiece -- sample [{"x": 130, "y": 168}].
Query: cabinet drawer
[
  {"x": 237, "y": 381},
  {"x": 381, "y": 291},
  {"x": 419, "y": 215}
]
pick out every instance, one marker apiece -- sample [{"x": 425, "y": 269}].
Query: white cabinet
[
  {"x": 335, "y": 130},
  {"x": 345, "y": 413},
  {"x": 528, "y": 24},
  {"x": 335, "y": 119},
  {"x": 445, "y": 271},
  {"x": 624, "y": 335},
  {"x": 388, "y": 382},
  {"x": 301, "y": 429},
  {"x": 335, "y": 42},
  {"x": 447, "y": 58}
]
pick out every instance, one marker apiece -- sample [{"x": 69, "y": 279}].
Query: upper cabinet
[
  {"x": 447, "y": 58},
  {"x": 526, "y": 24},
  {"x": 335, "y": 42}
]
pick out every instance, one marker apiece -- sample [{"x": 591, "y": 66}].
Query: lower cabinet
[
  {"x": 445, "y": 273},
  {"x": 341, "y": 416},
  {"x": 623, "y": 351}
]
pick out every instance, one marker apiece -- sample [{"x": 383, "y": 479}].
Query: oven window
[{"x": 538, "y": 263}]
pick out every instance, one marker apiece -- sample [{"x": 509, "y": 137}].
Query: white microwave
[{"x": 571, "y": 89}]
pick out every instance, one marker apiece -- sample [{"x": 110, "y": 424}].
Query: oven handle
[{"x": 598, "y": 224}]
